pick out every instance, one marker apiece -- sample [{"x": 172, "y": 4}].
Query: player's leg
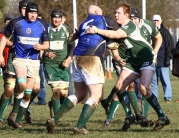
[
  {"x": 35, "y": 91},
  {"x": 31, "y": 70},
  {"x": 145, "y": 88},
  {"x": 106, "y": 102},
  {"x": 134, "y": 102},
  {"x": 8, "y": 91},
  {"x": 112, "y": 109},
  {"x": 126, "y": 77}
]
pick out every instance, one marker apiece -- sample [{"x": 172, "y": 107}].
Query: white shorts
[
  {"x": 87, "y": 69},
  {"x": 30, "y": 66}
]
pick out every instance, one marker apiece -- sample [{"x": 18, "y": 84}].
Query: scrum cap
[
  {"x": 56, "y": 13},
  {"x": 32, "y": 7},
  {"x": 135, "y": 12}
]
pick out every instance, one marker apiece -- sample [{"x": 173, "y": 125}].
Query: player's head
[
  {"x": 32, "y": 11},
  {"x": 93, "y": 9},
  {"x": 56, "y": 17},
  {"x": 135, "y": 15},
  {"x": 122, "y": 13},
  {"x": 22, "y": 6},
  {"x": 8, "y": 18}
]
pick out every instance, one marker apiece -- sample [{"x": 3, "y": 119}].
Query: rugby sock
[
  {"x": 20, "y": 114},
  {"x": 3, "y": 105},
  {"x": 16, "y": 105},
  {"x": 133, "y": 100},
  {"x": 145, "y": 107},
  {"x": 88, "y": 109},
  {"x": 56, "y": 105},
  {"x": 64, "y": 108},
  {"x": 111, "y": 94},
  {"x": 124, "y": 100},
  {"x": 22, "y": 108},
  {"x": 153, "y": 101},
  {"x": 113, "y": 107}
]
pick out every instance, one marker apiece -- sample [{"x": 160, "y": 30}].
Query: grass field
[{"x": 95, "y": 124}]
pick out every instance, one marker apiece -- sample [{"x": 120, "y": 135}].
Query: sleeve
[
  {"x": 45, "y": 32},
  {"x": 110, "y": 23}
]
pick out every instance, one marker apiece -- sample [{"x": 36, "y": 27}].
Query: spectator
[{"x": 163, "y": 61}]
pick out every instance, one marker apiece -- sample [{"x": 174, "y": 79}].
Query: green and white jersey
[
  {"x": 59, "y": 43},
  {"x": 148, "y": 29},
  {"x": 135, "y": 48}
]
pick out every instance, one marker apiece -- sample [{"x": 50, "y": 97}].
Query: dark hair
[
  {"x": 23, "y": 3},
  {"x": 56, "y": 13},
  {"x": 8, "y": 17}
]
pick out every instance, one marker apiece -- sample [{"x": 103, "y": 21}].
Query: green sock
[
  {"x": 145, "y": 107},
  {"x": 56, "y": 105},
  {"x": 16, "y": 105},
  {"x": 124, "y": 100},
  {"x": 20, "y": 114},
  {"x": 87, "y": 111},
  {"x": 153, "y": 101},
  {"x": 113, "y": 107},
  {"x": 64, "y": 108},
  {"x": 3, "y": 105},
  {"x": 133, "y": 100}
]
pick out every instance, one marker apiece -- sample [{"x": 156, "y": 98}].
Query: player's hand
[
  {"x": 37, "y": 46},
  {"x": 74, "y": 36},
  {"x": 121, "y": 62},
  {"x": 92, "y": 30},
  {"x": 51, "y": 55},
  {"x": 2, "y": 63}
]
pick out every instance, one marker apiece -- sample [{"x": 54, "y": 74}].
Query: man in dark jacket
[{"x": 163, "y": 61}]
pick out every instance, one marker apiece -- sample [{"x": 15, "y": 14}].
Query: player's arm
[
  {"x": 158, "y": 42},
  {"x": 3, "y": 42},
  {"x": 43, "y": 46},
  {"x": 107, "y": 33},
  {"x": 117, "y": 57}
]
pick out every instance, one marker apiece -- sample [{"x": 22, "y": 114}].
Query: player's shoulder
[
  {"x": 149, "y": 22},
  {"x": 43, "y": 22}
]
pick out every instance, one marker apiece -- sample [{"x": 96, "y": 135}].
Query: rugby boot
[
  {"x": 80, "y": 130},
  {"x": 11, "y": 119},
  {"x": 107, "y": 122},
  {"x": 50, "y": 105},
  {"x": 105, "y": 105},
  {"x": 50, "y": 125},
  {"x": 138, "y": 116},
  {"x": 128, "y": 122},
  {"x": 146, "y": 122},
  {"x": 161, "y": 122},
  {"x": 18, "y": 125},
  {"x": 27, "y": 116}
]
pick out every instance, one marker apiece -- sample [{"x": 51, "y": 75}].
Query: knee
[
  {"x": 145, "y": 90},
  {"x": 131, "y": 87},
  {"x": 21, "y": 87},
  {"x": 36, "y": 90},
  {"x": 64, "y": 95},
  {"x": 56, "y": 94},
  {"x": 8, "y": 92}
]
